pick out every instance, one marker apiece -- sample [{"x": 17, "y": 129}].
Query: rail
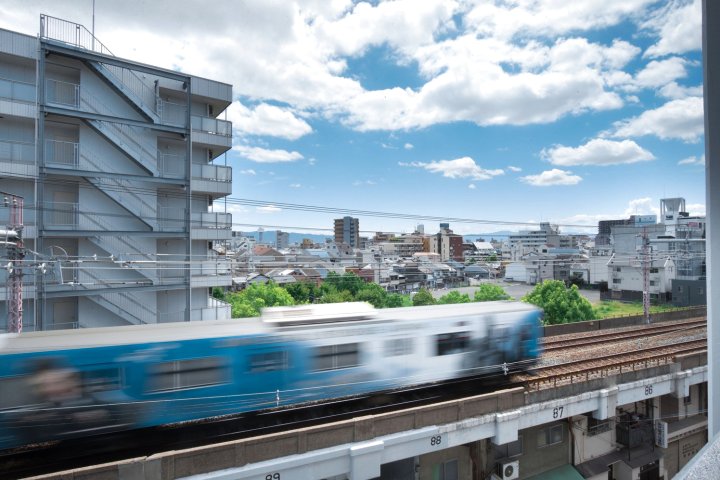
[
  {"x": 17, "y": 152},
  {"x": 62, "y": 153},
  {"x": 15, "y": 90}
]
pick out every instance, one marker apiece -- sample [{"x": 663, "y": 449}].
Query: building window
[
  {"x": 451, "y": 343},
  {"x": 550, "y": 436},
  {"x": 334, "y": 357},
  {"x": 652, "y": 283},
  {"x": 654, "y": 270},
  {"x": 595, "y": 426},
  {"x": 618, "y": 269},
  {"x": 268, "y": 362},
  {"x": 617, "y": 280},
  {"x": 511, "y": 449},
  {"x": 182, "y": 374},
  {"x": 700, "y": 291},
  {"x": 396, "y": 347},
  {"x": 446, "y": 470}
]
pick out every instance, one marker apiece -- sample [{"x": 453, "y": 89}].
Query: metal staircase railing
[
  {"x": 124, "y": 79},
  {"x": 124, "y": 136},
  {"x": 120, "y": 190},
  {"x": 123, "y": 304}
]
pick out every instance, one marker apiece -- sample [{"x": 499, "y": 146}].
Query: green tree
[
  {"x": 250, "y": 301},
  {"x": 488, "y": 292},
  {"x": 303, "y": 292},
  {"x": 560, "y": 303},
  {"x": 454, "y": 297},
  {"x": 423, "y": 297},
  {"x": 333, "y": 295},
  {"x": 347, "y": 281},
  {"x": 374, "y": 294},
  {"x": 395, "y": 300},
  {"x": 218, "y": 292}
]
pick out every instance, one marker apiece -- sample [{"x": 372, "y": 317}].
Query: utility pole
[
  {"x": 16, "y": 255},
  {"x": 646, "y": 275}
]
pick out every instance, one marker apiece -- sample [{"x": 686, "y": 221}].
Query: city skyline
[{"x": 522, "y": 112}]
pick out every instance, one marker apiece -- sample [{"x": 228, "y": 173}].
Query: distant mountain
[{"x": 270, "y": 237}]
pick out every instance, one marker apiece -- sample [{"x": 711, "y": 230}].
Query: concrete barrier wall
[
  {"x": 593, "y": 325},
  {"x": 171, "y": 465}
]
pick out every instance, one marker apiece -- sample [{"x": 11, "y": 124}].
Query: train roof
[
  {"x": 273, "y": 319},
  {"x": 53, "y": 340}
]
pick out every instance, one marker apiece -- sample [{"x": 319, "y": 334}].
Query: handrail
[
  {"x": 14, "y": 151},
  {"x": 218, "y": 173},
  {"x": 12, "y": 89},
  {"x": 75, "y": 34}
]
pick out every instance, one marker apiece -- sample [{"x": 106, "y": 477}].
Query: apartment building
[
  {"x": 347, "y": 231},
  {"x": 115, "y": 161}
]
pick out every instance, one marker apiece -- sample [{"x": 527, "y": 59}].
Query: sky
[{"x": 490, "y": 111}]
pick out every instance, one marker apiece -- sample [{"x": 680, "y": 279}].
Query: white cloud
[
  {"x": 264, "y": 155},
  {"x": 673, "y": 90},
  {"x": 642, "y": 206},
  {"x": 552, "y": 177},
  {"x": 661, "y": 72},
  {"x": 268, "y": 209},
  {"x": 267, "y": 120},
  {"x": 472, "y": 186},
  {"x": 598, "y": 152},
  {"x": 408, "y": 146},
  {"x": 464, "y": 167},
  {"x": 693, "y": 161},
  {"x": 295, "y": 185},
  {"x": 362, "y": 183},
  {"x": 696, "y": 209},
  {"x": 680, "y": 119},
  {"x": 514, "y": 169},
  {"x": 679, "y": 26},
  {"x": 249, "y": 171}
]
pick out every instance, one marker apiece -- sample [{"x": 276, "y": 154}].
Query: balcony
[
  {"x": 65, "y": 94},
  {"x": 171, "y": 165},
  {"x": 216, "y": 311},
  {"x": 212, "y": 179},
  {"x": 18, "y": 158},
  {"x": 211, "y": 225},
  {"x": 17, "y": 98},
  {"x": 212, "y": 132},
  {"x": 62, "y": 154}
]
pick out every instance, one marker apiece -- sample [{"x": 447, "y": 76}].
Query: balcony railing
[
  {"x": 212, "y": 220},
  {"x": 15, "y": 90},
  {"x": 221, "y": 310},
  {"x": 213, "y": 126},
  {"x": 62, "y": 93},
  {"x": 71, "y": 33},
  {"x": 17, "y": 152},
  {"x": 172, "y": 113},
  {"x": 61, "y": 214},
  {"x": 217, "y": 173},
  {"x": 171, "y": 219},
  {"x": 171, "y": 165},
  {"x": 62, "y": 153}
]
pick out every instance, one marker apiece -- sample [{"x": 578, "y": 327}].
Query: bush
[{"x": 560, "y": 303}]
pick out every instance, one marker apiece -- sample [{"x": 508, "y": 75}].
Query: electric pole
[
  {"x": 646, "y": 275},
  {"x": 16, "y": 255}
]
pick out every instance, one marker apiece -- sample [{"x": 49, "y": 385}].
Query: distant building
[
  {"x": 282, "y": 239},
  {"x": 447, "y": 244},
  {"x": 347, "y": 231}
]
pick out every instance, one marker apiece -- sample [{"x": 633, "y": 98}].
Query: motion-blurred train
[{"x": 56, "y": 385}]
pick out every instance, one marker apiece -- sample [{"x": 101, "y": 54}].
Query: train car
[{"x": 65, "y": 384}]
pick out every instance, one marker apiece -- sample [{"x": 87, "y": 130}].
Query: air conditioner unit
[{"x": 509, "y": 470}]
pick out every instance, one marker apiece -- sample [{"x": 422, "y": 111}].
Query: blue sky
[{"x": 517, "y": 111}]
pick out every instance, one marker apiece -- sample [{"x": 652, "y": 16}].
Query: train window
[
  {"x": 333, "y": 357},
  {"x": 101, "y": 380},
  {"x": 268, "y": 362},
  {"x": 15, "y": 392},
  {"x": 197, "y": 372},
  {"x": 398, "y": 346},
  {"x": 451, "y": 343}
]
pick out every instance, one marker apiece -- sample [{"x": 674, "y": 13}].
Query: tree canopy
[
  {"x": 488, "y": 292},
  {"x": 256, "y": 296},
  {"x": 560, "y": 303}
]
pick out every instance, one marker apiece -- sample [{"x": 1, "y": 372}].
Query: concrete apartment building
[
  {"x": 347, "y": 231},
  {"x": 115, "y": 162}
]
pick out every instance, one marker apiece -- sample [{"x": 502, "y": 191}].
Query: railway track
[
  {"x": 598, "y": 367},
  {"x": 550, "y": 344}
]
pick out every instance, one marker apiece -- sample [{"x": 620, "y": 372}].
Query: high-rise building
[
  {"x": 115, "y": 159},
  {"x": 347, "y": 231},
  {"x": 282, "y": 239}
]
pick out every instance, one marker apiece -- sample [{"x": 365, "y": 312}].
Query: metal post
[
  {"x": 711, "y": 77},
  {"x": 16, "y": 256},
  {"x": 646, "y": 275}
]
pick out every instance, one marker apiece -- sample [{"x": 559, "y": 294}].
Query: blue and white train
[{"x": 65, "y": 384}]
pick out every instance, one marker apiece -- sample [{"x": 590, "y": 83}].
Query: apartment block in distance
[
  {"x": 115, "y": 162},
  {"x": 347, "y": 231}
]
